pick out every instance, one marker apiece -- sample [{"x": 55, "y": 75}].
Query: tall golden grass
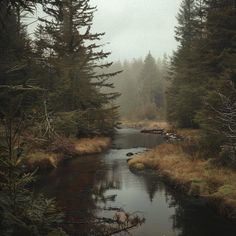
[
  {"x": 86, "y": 146},
  {"x": 195, "y": 176},
  {"x": 43, "y": 160},
  {"x": 91, "y": 146},
  {"x": 147, "y": 124}
]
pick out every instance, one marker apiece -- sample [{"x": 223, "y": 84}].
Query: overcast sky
[{"x": 133, "y": 27}]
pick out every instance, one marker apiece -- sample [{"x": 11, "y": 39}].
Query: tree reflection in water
[
  {"x": 195, "y": 217},
  {"x": 192, "y": 216},
  {"x": 82, "y": 195},
  {"x": 94, "y": 192}
]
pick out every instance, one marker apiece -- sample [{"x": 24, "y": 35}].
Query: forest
[
  {"x": 142, "y": 86},
  {"x": 62, "y": 100}
]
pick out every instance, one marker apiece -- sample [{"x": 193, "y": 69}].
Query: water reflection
[
  {"x": 194, "y": 217},
  {"x": 133, "y": 138},
  {"x": 98, "y": 186}
]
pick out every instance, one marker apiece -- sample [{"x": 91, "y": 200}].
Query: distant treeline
[
  {"x": 142, "y": 86},
  {"x": 196, "y": 87}
]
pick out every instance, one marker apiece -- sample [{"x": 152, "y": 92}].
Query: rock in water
[{"x": 129, "y": 154}]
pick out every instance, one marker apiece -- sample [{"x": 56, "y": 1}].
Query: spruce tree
[
  {"x": 151, "y": 87},
  {"x": 218, "y": 57},
  {"x": 70, "y": 49},
  {"x": 186, "y": 92},
  {"x": 22, "y": 212}
]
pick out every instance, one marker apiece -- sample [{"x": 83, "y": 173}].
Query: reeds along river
[{"x": 79, "y": 184}]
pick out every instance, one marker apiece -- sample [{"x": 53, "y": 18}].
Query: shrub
[
  {"x": 62, "y": 146},
  {"x": 228, "y": 157},
  {"x": 22, "y": 212},
  {"x": 66, "y": 123}
]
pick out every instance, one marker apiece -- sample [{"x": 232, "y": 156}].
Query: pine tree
[
  {"x": 202, "y": 65},
  {"x": 15, "y": 49},
  {"x": 21, "y": 211},
  {"x": 186, "y": 30},
  {"x": 70, "y": 49},
  {"x": 218, "y": 57},
  {"x": 187, "y": 89},
  {"x": 151, "y": 87}
]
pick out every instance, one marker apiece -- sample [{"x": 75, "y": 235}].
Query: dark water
[{"x": 77, "y": 184}]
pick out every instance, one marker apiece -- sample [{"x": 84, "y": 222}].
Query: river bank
[
  {"x": 184, "y": 165},
  {"x": 146, "y": 124},
  {"x": 96, "y": 186},
  {"x": 66, "y": 148},
  {"x": 195, "y": 177}
]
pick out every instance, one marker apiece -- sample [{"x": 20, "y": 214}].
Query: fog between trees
[
  {"x": 58, "y": 86},
  {"x": 142, "y": 86}
]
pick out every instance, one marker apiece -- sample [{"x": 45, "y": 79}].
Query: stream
[{"x": 78, "y": 182}]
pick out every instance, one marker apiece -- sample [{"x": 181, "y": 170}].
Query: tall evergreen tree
[
  {"x": 218, "y": 57},
  {"x": 202, "y": 65},
  {"x": 151, "y": 86},
  {"x": 70, "y": 49},
  {"x": 185, "y": 94},
  {"x": 22, "y": 212}
]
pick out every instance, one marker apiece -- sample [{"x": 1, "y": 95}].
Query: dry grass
[
  {"x": 69, "y": 148},
  {"x": 196, "y": 177},
  {"x": 43, "y": 160},
  {"x": 146, "y": 124},
  {"x": 189, "y": 134},
  {"x": 91, "y": 146}
]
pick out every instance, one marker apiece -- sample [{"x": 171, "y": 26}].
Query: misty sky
[{"x": 133, "y": 27}]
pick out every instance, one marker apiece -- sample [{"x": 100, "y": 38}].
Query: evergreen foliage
[
  {"x": 73, "y": 58},
  {"x": 49, "y": 87},
  {"x": 202, "y": 67},
  {"x": 22, "y": 211},
  {"x": 142, "y": 86}
]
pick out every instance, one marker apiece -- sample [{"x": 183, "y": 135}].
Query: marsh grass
[
  {"x": 43, "y": 160},
  {"x": 147, "y": 124},
  {"x": 65, "y": 148},
  {"x": 196, "y": 177},
  {"x": 88, "y": 146}
]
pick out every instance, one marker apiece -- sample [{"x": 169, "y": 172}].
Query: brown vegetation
[
  {"x": 194, "y": 176},
  {"x": 43, "y": 160},
  {"x": 147, "y": 124},
  {"x": 64, "y": 148},
  {"x": 87, "y": 146},
  {"x": 188, "y": 134}
]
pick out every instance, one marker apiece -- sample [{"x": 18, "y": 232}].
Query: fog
[{"x": 133, "y": 27}]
